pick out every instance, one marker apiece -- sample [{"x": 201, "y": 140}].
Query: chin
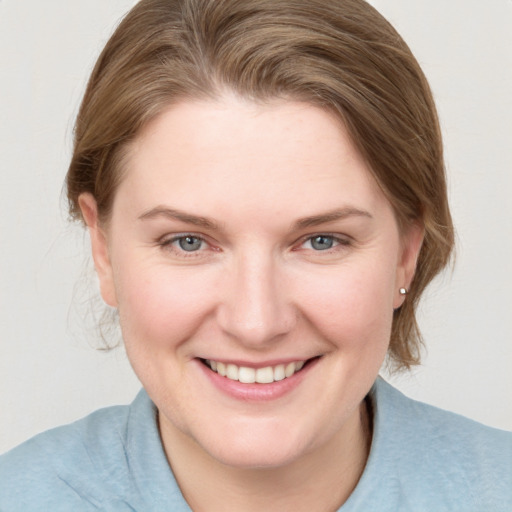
[
  {"x": 263, "y": 447},
  {"x": 255, "y": 457}
]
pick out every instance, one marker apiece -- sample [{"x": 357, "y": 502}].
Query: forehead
[{"x": 277, "y": 155}]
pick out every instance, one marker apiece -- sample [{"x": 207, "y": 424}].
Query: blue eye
[
  {"x": 189, "y": 243},
  {"x": 322, "y": 242}
]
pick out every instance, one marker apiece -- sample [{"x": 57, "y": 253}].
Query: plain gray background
[{"x": 50, "y": 374}]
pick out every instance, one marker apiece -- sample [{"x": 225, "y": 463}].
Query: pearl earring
[{"x": 403, "y": 291}]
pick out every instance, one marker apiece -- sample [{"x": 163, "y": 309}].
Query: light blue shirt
[{"x": 422, "y": 459}]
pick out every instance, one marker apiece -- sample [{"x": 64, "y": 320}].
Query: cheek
[
  {"x": 160, "y": 306},
  {"x": 352, "y": 307}
]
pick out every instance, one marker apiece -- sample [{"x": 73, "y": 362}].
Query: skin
[{"x": 255, "y": 290}]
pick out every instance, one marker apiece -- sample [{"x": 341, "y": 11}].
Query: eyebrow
[
  {"x": 205, "y": 222},
  {"x": 188, "y": 218},
  {"x": 331, "y": 216}
]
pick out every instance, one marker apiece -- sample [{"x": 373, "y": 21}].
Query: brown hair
[{"x": 341, "y": 55}]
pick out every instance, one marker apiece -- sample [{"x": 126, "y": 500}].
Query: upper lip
[{"x": 259, "y": 364}]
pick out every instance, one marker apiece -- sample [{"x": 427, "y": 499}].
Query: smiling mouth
[{"x": 265, "y": 375}]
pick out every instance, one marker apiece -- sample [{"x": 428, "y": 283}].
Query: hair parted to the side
[{"x": 340, "y": 55}]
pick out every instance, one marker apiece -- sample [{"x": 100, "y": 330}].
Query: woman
[{"x": 264, "y": 189}]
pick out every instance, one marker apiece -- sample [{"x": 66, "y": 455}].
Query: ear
[
  {"x": 100, "y": 250},
  {"x": 411, "y": 242}
]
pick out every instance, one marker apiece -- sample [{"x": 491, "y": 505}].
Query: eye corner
[
  {"x": 323, "y": 244},
  {"x": 182, "y": 243}
]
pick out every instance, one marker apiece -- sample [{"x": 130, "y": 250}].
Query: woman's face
[{"x": 251, "y": 239}]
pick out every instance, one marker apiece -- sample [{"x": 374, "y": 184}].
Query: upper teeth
[{"x": 247, "y": 375}]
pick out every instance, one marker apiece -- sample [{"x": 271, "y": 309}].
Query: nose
[{"x": 255, "y": 308}]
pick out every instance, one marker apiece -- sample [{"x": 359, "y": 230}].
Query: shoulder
[
  {"x": 441, "y": 457},
  {"x": 67, "y": 466},
  {"x": 111, "y": 460},
  {"x": 450, "y": 433}
]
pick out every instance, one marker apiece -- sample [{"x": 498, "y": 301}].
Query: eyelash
[
  {"x": 338, "y": 242},
  {"x": 169, "y": 243}
]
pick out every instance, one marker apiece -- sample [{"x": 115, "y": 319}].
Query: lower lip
[{"x": 257, "y": 392}]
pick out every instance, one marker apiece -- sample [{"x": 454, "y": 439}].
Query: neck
[{"x": 321, "y": 480}]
